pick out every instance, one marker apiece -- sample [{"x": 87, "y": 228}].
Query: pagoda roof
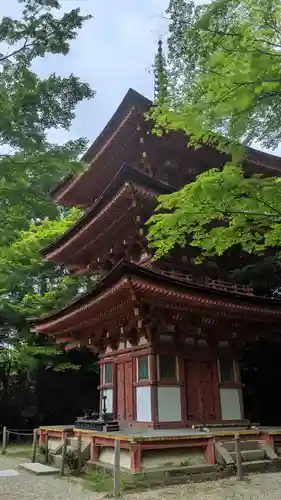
[
  {"x": 121, "y": 129},
  {"x": 127, "y": 182},
  {"x": 71, "y": 190},
  {"x": 128, "y": 284},
  {"x": 131, "y": 99}
]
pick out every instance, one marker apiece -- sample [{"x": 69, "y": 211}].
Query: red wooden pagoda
[{"x": 168, "y": 335}]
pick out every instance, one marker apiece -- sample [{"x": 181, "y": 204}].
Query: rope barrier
[
  {"x": 19, "y": 433},
  {"x": 20, "y": 430}
]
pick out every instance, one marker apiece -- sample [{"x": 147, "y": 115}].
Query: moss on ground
[{"x": 102, "y": 481}]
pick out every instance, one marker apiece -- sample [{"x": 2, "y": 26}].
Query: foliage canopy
[
  {"x": 30, "y": 165},
  {"x": 224, "y": 76}
]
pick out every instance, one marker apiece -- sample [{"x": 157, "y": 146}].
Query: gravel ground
[
  {"x": 27, "y": 486},
  {"x": 253, "y": 487}
]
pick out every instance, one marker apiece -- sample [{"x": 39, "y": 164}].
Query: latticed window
[
  {"x": 226, "y": 371},
  {"x": 108, "y": 373},
  {"x": 167, "y": 367},
  {"x": 143, "y": 373}
]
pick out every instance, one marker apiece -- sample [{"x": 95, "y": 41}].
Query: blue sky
[{"x": 113, "y": 52}]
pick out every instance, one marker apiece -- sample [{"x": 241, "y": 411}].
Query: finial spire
[{"x": 160, "y": 77}]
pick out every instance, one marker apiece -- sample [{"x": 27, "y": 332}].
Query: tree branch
[
  {"x": 238, "y": 35},
  {"x": 17, "y": 51}
]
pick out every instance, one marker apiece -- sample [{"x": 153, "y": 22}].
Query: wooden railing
[
  {"x": 217, "y": 284},
  {"x": 229, "y": 287}
]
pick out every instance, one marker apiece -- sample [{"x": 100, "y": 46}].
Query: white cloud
[{"x": 113, "y": 52}]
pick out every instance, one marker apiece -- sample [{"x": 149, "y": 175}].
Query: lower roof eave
[{"x": 127, "y": 278}]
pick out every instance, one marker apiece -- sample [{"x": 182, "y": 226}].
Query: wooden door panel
[
  {"x": 192, "y": 390},
  {"x": 129, "y": 390},
  {"x": 208, "y": 390},
  {"x": 120, "y": 392}
]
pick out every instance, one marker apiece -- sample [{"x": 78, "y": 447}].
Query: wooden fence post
[
  {"x": 238, "y": 457},
  {"x": 4, "y": 440},
  {"x": 79, "y": 452},
  {"x": 116, "y": 472},
  {"x": 46, "y": 447},
  {"x": 34, "y": 445},
  {"x": 63, "y": 454}
]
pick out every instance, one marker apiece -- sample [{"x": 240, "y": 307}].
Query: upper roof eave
[
  {"x": 132, "y": 98},
  {"x": 125, "y": 174}
]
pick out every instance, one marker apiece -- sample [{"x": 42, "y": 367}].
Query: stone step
[
  {"x": 262, "y": 466},
  {"x": 39, "y": 469},
  {"x": 268, "y": 450},
  {"x": 249, "y": 455},
  {"x": 251, "y": 444}
]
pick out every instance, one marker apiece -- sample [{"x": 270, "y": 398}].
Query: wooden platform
[
  {"x": 145, "y": 449},
  {"x": 134, "y": 435}
]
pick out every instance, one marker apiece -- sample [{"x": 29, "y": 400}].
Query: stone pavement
[{"x": 20, "y": 485}]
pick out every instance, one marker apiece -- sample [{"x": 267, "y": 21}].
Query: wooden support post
[
  {"x": 41, "y": 437},
  {"x": 238, "y": 457},
  {"x": 63, "y": 454},
  {"x": 210, "y": 452},
  {"x": 46, "y": 447},
  {"x": 34, "y": 446},
  {"x": 79, "y": 453},
  {"x": 116, "y": 472},
  {"x": 135, "y": 458},
  {"x": 4, "y": 440},
  {"x": 95, "y": 451}
]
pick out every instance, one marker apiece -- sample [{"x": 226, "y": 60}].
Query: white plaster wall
[
  {"x": 109, "y": 402},
  {"x": 169, "y": 404},
  {"x": 107, "y": 457},
  {"x": 175, "y": 457},
  {"x": 152, "y": 459},
  {"x": 143, "y": 400},
  {"x": 231, "y": 404}
]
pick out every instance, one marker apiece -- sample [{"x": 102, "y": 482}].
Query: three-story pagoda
[{"x": 168, "y": 334}]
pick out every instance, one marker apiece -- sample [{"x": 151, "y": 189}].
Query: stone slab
[
  {"x": 39, "y": 469},
  {"x": 8, "y": 473}
]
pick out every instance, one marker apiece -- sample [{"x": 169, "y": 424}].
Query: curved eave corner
[{"x": 201, "y": 294}]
